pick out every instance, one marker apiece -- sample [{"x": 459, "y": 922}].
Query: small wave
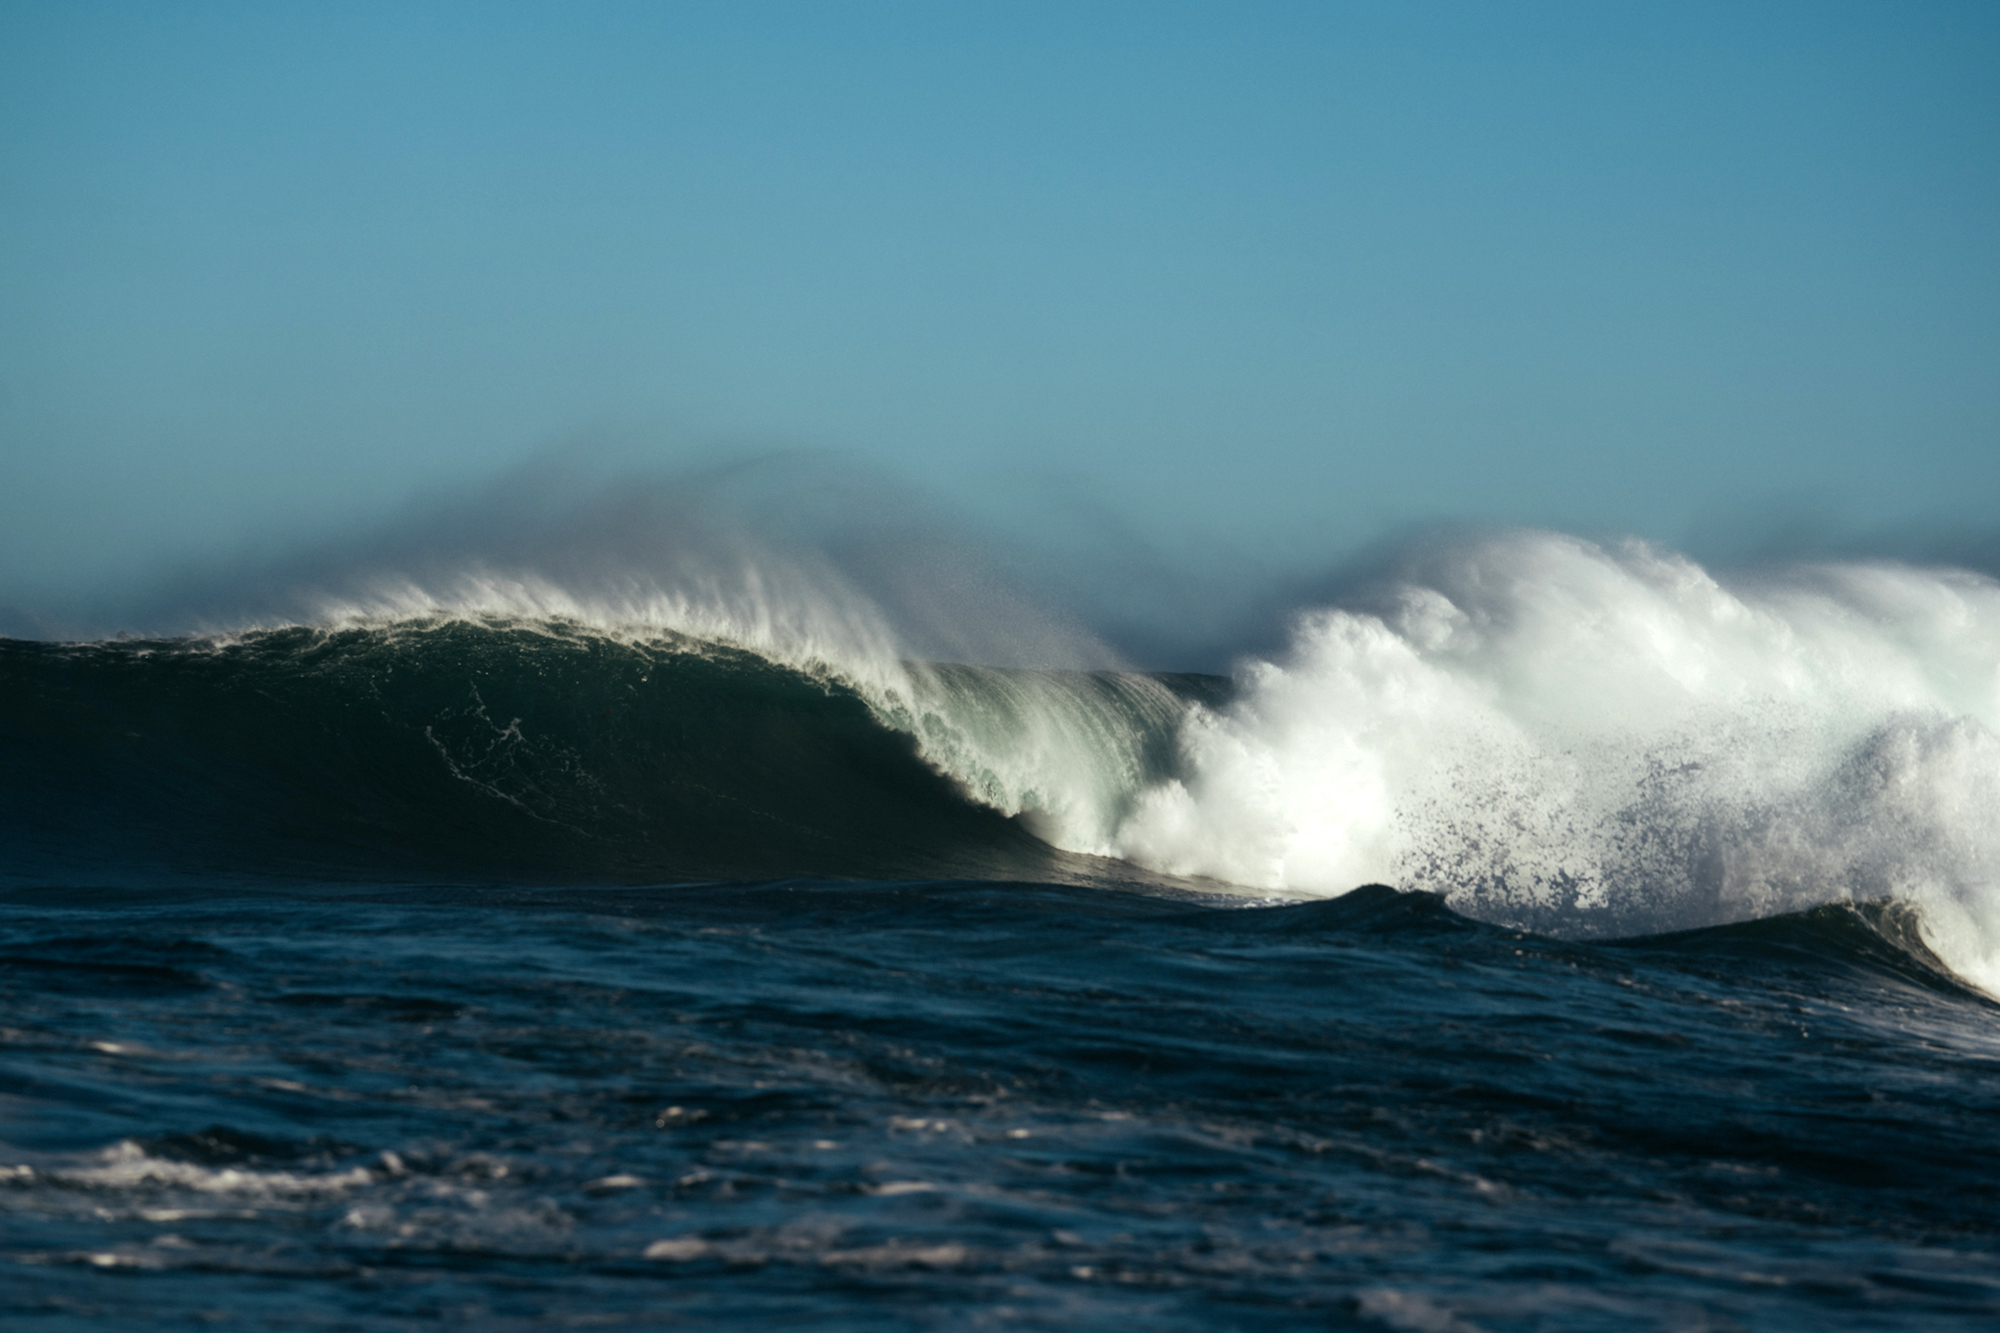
[{"x": 1876, "y": 938}]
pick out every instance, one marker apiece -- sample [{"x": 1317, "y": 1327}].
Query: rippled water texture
[{"x": 960, "y": 1106}]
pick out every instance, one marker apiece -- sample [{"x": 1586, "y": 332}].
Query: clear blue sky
[{"x": 1281, "y": 275}]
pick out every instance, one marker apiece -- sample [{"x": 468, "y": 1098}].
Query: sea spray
[{"x": 1593, "y": 739}]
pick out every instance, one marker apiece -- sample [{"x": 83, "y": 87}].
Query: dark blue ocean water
[
  {"x": 950, "y": 1079},
  {"x": 977, "y": 1105}
]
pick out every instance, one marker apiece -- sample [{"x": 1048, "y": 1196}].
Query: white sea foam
[
  {"x": 127, "y": 1166},
  {"x": 1597, "y": 738}
]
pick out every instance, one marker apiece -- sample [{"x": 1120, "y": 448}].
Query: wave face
[
  {"x": 456, "y": 748},
  {"x": 1547, "y": 732}
]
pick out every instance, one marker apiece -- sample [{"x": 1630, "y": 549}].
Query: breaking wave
[{"x": 1578, "y": 738}]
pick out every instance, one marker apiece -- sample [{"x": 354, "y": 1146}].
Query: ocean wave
[{"x": 1551, "y": 733}]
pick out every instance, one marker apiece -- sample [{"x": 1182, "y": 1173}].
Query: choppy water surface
[{"x": 950, "y": 1105}]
